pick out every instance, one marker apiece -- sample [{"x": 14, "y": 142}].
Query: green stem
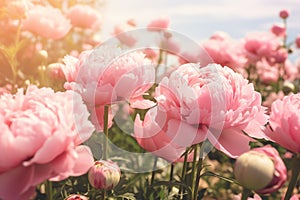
[
  {"x": 245, "y": 194},
  {"x": 199, "y": 168},
  {"x": 49, "y": 190},
  {"x": 153, "y": 170},
  {"x": 183, "y": 173},
  {"x": 294, "y": 178},
  {"x": 105, "y": 130},
  {"x": 103, "y": 194},
  {"x": 171, "y": 176},
  {"x": 194, "y": 170}
]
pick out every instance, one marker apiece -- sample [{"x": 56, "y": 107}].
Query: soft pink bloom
[
  {"x": 150, "y": 53},
  {"x": 297, "y": 41},
  {"x": 170, "y": 45},
  {"x": 255, "y": 197},
  {"x": 106, "y": 76},
  {"x": 131, "y": 22},
  {"x": 55, "y": 71},
  {"x": 219, "y": 35},
  {"x": 47, "y": 21},
  {"x": 291, "y": 71},
  {"x": 84, "y": 16},
  {"x": 76, "y": 197},
  {"x": 280, "y": 172},
  {"x": 225, "y": 51},
  {"x": 284, "y": 14},
  {"x": 41, "y": 137},
  {"x": 158, "y": 24},
  {"x": 17, "y": 9},
  {"x": 268, "y": 73},
  {"x": 279, "y": 30},
  {"x": 123, "y": 34},
  {"x": 284, "y": 123},
  {"x": 231, "y": 106},
  {"x": 104, "y": 174},
  {"x": 271, "y": 98},
  {"x": 260, "y": 45}
]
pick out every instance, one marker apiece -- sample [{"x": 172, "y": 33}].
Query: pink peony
[
  {"x": 84, "y": 16},
  {"x": 47, "y": 21},
  {"x": 279, "y": 30},
  {"x": 262, "y": 45},
  {"x": 123, "y": 34},
  {"x": 41, "y": 137},
  {"x": 267, "y": 72},
  {"x": 284, "y": 14},
  {"x": 158, "y": 24},
  {"x": 106, "y": 76},
  {"x": 280, "y": 172},
  {"x": 76, "y": 197},
  {"x": 211, "y": 103},
  {"x": 225, "y": 51},
  {"x": 284, "y": 123}
]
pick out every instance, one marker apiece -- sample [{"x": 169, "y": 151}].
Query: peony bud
[
  {"x": 261, "y": 169},
  {"x": 254, "y": 170},
  {"x": 76, "y": 197},
  {"x": 104, "y": 175},
  {"x": 284, "y": 14}
]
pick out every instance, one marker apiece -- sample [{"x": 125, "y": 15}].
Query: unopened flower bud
[
  {"x": 284, "y": 14},
  {"x": 297, "y": 42},
  {"x": 76, "y": 197},
  {"x": 104, "y": 175},
  {"x": 254, "y": 170}
]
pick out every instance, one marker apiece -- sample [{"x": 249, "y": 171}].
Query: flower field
[{"x": 146, "y": 114}]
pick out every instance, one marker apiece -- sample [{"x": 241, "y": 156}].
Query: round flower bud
[
  {"x": 104, "y": 175},
  {"x": 297, "y": 42},
  {"x": 76, "y": 197},
  {"x": 284, "y": 14},
  {"x": 254, "y": 170},
  {"x": 261, "y": 169}
]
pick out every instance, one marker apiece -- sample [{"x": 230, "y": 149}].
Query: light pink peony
[
  {"x": 267, "y": 72},
  {"x": 123, "y": 34},
  {"x": 266, "y": 45},
  {"x": 47, "y": 21},
  {"x": 41, "y": 137},
  {"x": 280, "y": 172},
  {"x": 77, "y": 197},
  {"x": 211, "y": 103},
  {"x": 84, "y": 16},
  {"x": 158, "y": 24},
  {"x": 106, "y": 76},
  {"x": 284, "y": 123},
  {"x": 225, "y": 51}
]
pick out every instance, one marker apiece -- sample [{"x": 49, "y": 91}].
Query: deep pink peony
[
  {"x": 284, "y": 123},
  {"x": 284, "y": 14},
  {"x": 280, "y": 172},
  {"x": 297, "y": 41},
  {"x": 47, "y": 21},
  {"x": 84, "y": 16},
  {"x": 279, "y": 30},
  {"x": 195, "y": 104},
  {"x": 41, "y": 137},
  {"x": 106, "y": 76}
]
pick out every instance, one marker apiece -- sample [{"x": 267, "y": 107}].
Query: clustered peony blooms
[
  {"x": 212, "y": 102},
  {"x": 84, "y": 16},
  {"x": 261, "y": 169},
  {"x": 284, "y": 123},
  {"x": 105, "y": 76},
  {"x": 41, "y": 136},
  {"x": 47, "y": 21},
  {"x": 104, "y": 175}
]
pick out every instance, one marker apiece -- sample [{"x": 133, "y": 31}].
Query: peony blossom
[
  {"x": 41, "y": 137},
  {"x": 106, "y": 76},
  {"x": 297, "y": 41},
  {"x": 124, "y": 34},
  {"x": 104, "y": 175},
  {"x": 47, "y": 21},
  {"x": 211, "y": 103},
  {"x": 225, "y": 51},
  {"x": 76, "y": 197},
  {"x": 84, "y": 16},
  {"x": 284, "y": 123},
  {"x": 279, "y": 30},
  {"x": 158, "y": 24},
  {"x": 267, "y": 72}
]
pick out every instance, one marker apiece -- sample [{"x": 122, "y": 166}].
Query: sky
[{"x": 198, "y": 19}]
